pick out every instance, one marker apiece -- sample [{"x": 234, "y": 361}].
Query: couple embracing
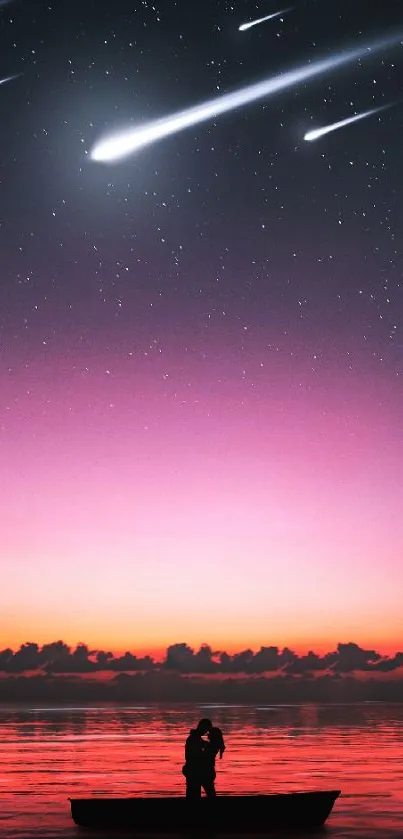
[{"x": 200, "y": 757}]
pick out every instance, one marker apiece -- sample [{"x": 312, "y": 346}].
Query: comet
[
  {"x": 125, "y": 143},
  {"x": 326, "y": 129},
  {"x": 244, "y": 26}
]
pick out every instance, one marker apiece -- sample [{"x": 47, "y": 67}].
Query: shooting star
[
  {"x": 244, "y": 26},
  {"x": 10, "y": 78},
  {"x": 125, "y": 143},
  {"x": 326, "y": 129}
]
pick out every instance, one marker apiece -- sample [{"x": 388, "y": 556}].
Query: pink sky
[{"x": 143, "y": 511}]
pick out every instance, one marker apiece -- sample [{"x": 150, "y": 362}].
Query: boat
[{"x": 223, "y": 814}]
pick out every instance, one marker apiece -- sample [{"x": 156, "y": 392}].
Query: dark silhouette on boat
[
  {"x": 196, "y": 769},
  {"x": 221, "y": 814},
  {"x": 200, "y": 758}
]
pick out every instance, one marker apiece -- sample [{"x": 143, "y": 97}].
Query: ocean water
[{"x": 48, "y": 754}]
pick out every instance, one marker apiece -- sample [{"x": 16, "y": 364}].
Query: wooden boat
[{"x": 223, "y": 814}]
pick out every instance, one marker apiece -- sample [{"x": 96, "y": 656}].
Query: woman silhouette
[{"x": 215, "y": 745}]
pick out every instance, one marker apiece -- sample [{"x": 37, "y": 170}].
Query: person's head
[
  {"x": 215, "y": 737},
  {"x": 203, "y": 726},
  {"x": 216, "y": 740}
]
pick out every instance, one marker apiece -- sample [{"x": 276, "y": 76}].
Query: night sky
[{"x": 201, "y": 357}]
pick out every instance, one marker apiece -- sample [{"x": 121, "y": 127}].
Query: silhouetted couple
[{"x": 200, "y": 756}]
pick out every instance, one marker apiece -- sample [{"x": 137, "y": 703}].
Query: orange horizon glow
[{"x": 158, "y": 653}]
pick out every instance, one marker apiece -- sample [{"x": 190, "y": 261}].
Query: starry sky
[{"x": 201, "y": 346}]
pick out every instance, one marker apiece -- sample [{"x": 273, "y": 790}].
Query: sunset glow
[{"x": 201, "y": 517}]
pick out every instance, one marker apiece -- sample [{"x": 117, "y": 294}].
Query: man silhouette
[{"x": 194, "y": 769}]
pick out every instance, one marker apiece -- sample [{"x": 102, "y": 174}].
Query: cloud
[
  {"x": 103, "y": 659},
  {"x": 312, "y": 663},
  {"x": 28, "y": 657},
  {"x": 58, "y": 658},
  {"x": 266, "y": 660},
  {"x": 182, "y": 659},
  {"x": 78, "y": 661},
  {"x": 129, "y": 662},
  {"x": 352, "y": 657},
  {"x": 386, "y": 665}
]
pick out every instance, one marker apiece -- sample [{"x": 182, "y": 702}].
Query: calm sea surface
[{"x": 49, "y": 754}]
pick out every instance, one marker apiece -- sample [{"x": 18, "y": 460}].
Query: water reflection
[{"x": 48, "y": 754}]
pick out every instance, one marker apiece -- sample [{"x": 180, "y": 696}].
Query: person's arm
[{"x": 189, "y": 750}]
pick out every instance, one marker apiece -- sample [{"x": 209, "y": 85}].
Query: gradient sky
[{"x": 201, "y": 357}]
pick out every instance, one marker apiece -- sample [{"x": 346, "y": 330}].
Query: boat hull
[{"x": 224, "y": 814}]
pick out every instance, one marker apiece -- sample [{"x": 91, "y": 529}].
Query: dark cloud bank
[{"x": 56, "y": 672}]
